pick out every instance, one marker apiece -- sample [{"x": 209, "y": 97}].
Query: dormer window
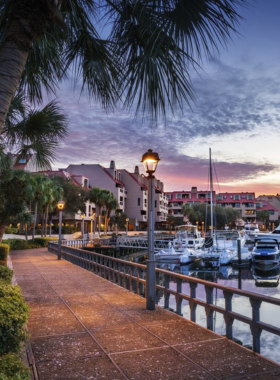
[{"x": 22, "y": 161}]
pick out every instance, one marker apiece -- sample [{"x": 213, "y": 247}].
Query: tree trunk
[
  {"x": 35, "y": 219},
  {"x": 46, "y": 221},
  {"x": 50, "y": 226},
  {"x": 2, "y": 230},
  {"x": 43, "y": 224}
]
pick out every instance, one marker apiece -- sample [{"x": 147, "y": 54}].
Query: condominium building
[
  {"x": 271, "y": 203},
  {"x": 245, "y": 203},
  {"x": 177, "y": 199},
  {"x": 137, "y": 200}
]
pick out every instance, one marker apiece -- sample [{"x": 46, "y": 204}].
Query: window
[
  {"x": 86, "y": 183},
  {"x": 258, "y": 205},
  {"x": 168, "y": 196},
  {"x": 250, "y": 204},
  {"x": 22, "y": 161},
  {"x": 237, "y": 204},
  {"x": 231, "y": 197},
  {"x": 271, "y": 212},
  {"x": 250, "y": 196},
  {"x": 237, "y": 197},
  {"x": 219, "y": 197},
  {"x": 155, "y": 204},
  {"x": 225, "y": 197},
  {"x": 121, "y": 198},
  {"x": 138, "y": 201},
  {"x": 243, "y": 196},
  {"x": 178, "y": 195},
  {"x": 185, "y": 195},
  {"x": 264, "y": 204}
]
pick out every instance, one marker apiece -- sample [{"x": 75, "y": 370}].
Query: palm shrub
[
  {"x": 43, "y": 241},
  {"x": 4, "y": 251},
  {"x": 14, "y": 313},
  {"x": 16, "y": 244},
  {"x": 11, "y": 230}
]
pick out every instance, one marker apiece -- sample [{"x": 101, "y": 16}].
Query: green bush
[
  {"x": 11, "y": 230},
  {"x": 4, "y": 251},
  {"x": 6, "y": 274},
  {"x": 43, "y": 241},
  {"x": 14, "y": 313},
  {"x": 31, "y": 245},
  {"x": 65, "y": 229},
  {"x": 12, "y": 368},
  {"x": 16, "y": 243}
]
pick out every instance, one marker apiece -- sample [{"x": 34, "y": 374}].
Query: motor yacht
[
  {"x": 265, "y": 254},
  {"x": 187, "y": 236}
]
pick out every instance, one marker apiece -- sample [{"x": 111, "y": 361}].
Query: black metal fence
[{"x": 132, "y": 276}]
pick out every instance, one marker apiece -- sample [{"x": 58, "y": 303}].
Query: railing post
[
  {"x": 208, "y": 310},
  {"x": 193, "y": 305},
  {"x": 228, "y": 319},
  {"x": 255, "y": 329},
  {"x": 178, "y": 298},
  {"x": 130, "y": 279},
  {"x": 166, "y": 293}
]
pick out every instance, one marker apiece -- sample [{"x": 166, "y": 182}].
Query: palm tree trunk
[
  {"x": 2, "y": 230},
  {"x": 13, "y": 56},
  {"x": 50, "y": 226},
  {"x": 35, "y": 219},
  {"x": 43, "y": 224},
  {"x": 46, "y": 221}
]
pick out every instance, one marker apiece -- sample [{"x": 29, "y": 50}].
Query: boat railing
[{"x": 132, "y": 276}]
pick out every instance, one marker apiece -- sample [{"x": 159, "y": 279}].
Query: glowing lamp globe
[
  {"x": 150, "y": 160},
  {"x": 60, "y": 205}
]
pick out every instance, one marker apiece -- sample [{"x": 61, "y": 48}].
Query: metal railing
[{"x": 131, "y": 276}]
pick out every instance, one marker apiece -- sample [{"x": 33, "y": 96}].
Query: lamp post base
[{"x": 151, "y": 285}]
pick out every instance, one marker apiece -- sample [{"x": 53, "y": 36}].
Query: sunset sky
[{"x": 236, "y": 114}]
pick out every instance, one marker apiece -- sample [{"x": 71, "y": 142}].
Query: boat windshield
[
  {"x": 185, "y": 231},
  {"x": 227, "y": 235},
  {"x": 263, "y": 250}
]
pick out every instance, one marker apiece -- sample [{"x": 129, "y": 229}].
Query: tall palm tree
[
  {"x": 34, "y": 130},
  {"x": 145, "y": 59},
  {"x": 36, "y": 190},
  {"x": 95, "y": 195},
  {"x": 111, "y": 203}
]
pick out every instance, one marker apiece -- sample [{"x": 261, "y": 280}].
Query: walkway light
[
  {"x": 127, "y": 220},
  {"x": 60, "y": 206},
  {"x": 92, "y": 218},
  {"x": 150, "y": 160}
]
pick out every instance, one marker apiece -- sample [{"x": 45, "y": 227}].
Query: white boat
[
  {"x": 251, "y": 228},
  {"x": 275, "y": 235},
  {"x": 266, "y": 278},
  {"x": 265, "y": 254},
  {"x": 187, "y": 236},
  {"x": 184, "y": 255}
]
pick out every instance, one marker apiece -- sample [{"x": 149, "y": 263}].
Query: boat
[
  {"x": 265, "y": 254},
  {"x": 187, "y": 236},
  {"x": 275, "y": 235},
  {"x": 266, "y": 278},
  {"x": 181, "y": 255},
  {"x": 251, "y": 228}
]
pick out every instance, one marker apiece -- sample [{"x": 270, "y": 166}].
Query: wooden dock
[{"x": 85, "y": 327}]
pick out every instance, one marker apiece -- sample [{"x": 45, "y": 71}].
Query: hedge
[
  {"x": 65, "y": 229},
  {"x": 12, "y": 368},
  {"x": 17, "y": 244},
  {"x": 11, "y": 230},
  {"x": 4, "y": 251},
  {"x": 43, "y": 241},
  {"x": 14, "y": 313},
  {"x": 6, "y": 275}
]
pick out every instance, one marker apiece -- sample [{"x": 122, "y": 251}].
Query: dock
[{"x": 85, "y": 327}]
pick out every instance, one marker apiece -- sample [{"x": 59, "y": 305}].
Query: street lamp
[
  {"x": 127, "y": 220},
  {"x": 150, "y": 160},
  {"x": 92, "y": 217},
  {"x": 60, "y": 206},
  {"x": 83, "y": 225}
]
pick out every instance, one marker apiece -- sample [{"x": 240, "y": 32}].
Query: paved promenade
[{"x": 84, "y": 327}]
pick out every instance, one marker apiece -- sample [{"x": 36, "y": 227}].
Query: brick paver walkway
[{"x": 84, "y": 327}]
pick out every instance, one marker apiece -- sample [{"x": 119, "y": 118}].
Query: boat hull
[{"x": 266, "y": 262}]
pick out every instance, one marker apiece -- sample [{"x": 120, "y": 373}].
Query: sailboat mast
[{"x": 211, "y": 194}]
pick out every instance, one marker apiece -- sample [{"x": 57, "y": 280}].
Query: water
[{"x": 235, "y": 278}]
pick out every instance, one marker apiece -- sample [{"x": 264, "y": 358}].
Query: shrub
[
  {"x": 11, "y": 230},
  {"x": 13, "y": 317},
  {"x": 43, "y": 241},
  {"x": 4, "y": 251},
  {"x": 16, "y": 243},
  {"x": 65, "y": 229},
  {"x": 12, "y": 368},
  {"x": 31, "y": 245},
  {"x": 6, "y": 274}
]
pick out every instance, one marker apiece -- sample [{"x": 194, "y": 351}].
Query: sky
[{"x": 236, "y": 114}]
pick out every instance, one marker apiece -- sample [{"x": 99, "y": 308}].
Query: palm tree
[
  {"x": 34, "y": 130},
  {"x": 95, "y": 195},
  {"x": 145, "y": 59},
  {"x": 36, "y": 190},
  {"x": 111, "y": 204},
  {"x": 187, "y": 210}
]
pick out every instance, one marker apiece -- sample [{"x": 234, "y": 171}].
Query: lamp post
[
  {"x": 83, "y": 225},
  {"x": 92, "y": 218},
  {"x": 60, "y": 206},
  {"x": 127, "y": 220},
  {"x": 150, "y": 160}
]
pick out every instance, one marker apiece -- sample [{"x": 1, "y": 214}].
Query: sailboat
[{"x": 222, "y": 245}]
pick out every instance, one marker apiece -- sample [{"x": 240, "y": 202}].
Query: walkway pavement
[{"x": 84, "y": 327}]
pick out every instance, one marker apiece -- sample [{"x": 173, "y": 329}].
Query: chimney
[
  {"x": 136, "y": 170},
  {"x": 112, "y": 165},
  {"x": 194, "y": 190}
]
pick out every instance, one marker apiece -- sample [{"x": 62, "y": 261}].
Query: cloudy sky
[{"x": 236, "y": 114}]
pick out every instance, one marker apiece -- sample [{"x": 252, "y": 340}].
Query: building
[
  {"x": 177, "y": 199},
  {"x": 268, "y": 202},
  {"x": 137, "y": 199},
  {"x": 243, "y": 202}
]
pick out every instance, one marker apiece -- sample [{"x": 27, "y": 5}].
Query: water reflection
[{"x": 249, "y": 279}]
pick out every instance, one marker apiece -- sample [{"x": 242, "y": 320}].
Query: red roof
[{"x": 267, "y": 207}]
